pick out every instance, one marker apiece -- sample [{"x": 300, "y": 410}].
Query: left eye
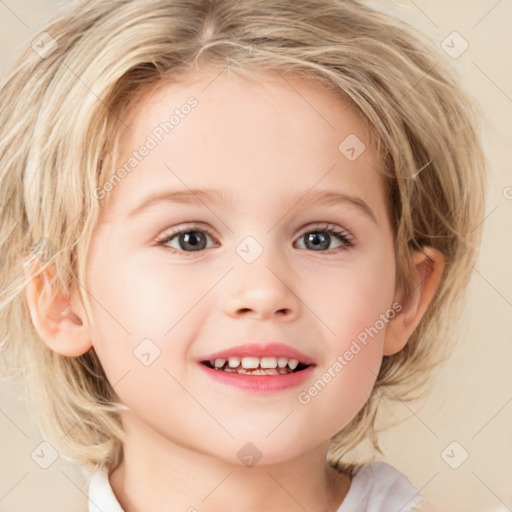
[
  {"x": 320, "y": 237},
  {"x": 194, "y": 238}
]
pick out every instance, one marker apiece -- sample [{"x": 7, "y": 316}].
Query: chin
[{"x": 262, "y": 452}]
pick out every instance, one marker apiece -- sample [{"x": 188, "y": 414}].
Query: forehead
[{"x": 247, "y": 137}]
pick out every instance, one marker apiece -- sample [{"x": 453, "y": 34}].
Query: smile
[{"x": 257, "y": 365}]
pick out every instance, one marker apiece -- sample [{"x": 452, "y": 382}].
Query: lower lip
[{"x": 259, "y": 383}]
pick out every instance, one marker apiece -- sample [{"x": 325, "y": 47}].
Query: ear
[
  {"x": 59, "y": 322},
  {"x": 429, "y": 264}
]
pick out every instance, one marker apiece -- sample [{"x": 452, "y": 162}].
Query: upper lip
[{"x": 260, "y": 350}]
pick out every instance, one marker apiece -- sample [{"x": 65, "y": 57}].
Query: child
[{"x": 230, "y": 229}]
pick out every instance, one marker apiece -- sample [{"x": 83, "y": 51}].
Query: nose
[{"x": 261, "y": 292}]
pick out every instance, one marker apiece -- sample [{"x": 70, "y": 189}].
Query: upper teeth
[{"x": 255, "y": 362}]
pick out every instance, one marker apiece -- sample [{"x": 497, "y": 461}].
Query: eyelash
[{"x": 344, "y": 236}]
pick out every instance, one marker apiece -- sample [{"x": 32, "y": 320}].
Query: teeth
[
  {"x": 259, "y": 371},
  {"x": 255, "y": 363},
  {"x": 293, "y": 363},
  {"x": 233, "y": 362},
  {"x": 268, "y": 362},
  {"x": 282, "y": 362},
  {"x": 250, "y": 362}
]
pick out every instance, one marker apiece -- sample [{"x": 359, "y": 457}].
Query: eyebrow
[{"x": 211, "y": 196}]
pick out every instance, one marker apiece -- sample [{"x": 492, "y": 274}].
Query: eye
[
  {"x": 194, "y": 238},
  {"x": 189, "y": 239},
  {"x": 320, "y": 237}
]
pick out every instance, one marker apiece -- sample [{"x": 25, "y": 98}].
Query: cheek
[
  {"x": 140, "y": 308},
  {"x": 355, "y": 307},
  {"x": 352, "y": 298},
  {"x": 139, "y": 320},
  {"x": 143, "y": 318}
]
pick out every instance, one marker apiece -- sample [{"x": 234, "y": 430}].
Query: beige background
[{"x": 471, "y": 403}]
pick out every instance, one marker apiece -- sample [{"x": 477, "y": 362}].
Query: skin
[{"x": 258, "y": 141}]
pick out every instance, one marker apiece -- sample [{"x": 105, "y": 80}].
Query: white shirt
[{"x": 375, "y": 487}]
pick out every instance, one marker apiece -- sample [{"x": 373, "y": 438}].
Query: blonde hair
[{"x": 60, "y": 119}]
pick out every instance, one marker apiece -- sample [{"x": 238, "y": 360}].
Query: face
[{"x": 264, "y": 258}]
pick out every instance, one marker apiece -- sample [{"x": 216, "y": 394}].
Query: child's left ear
[{"x": 429, "y": 264}]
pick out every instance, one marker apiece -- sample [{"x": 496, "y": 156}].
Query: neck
[{"x": 156, "y": 473}]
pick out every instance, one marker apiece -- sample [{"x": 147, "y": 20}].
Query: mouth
[
  {"x": 262, "y": 368},
  {"x": 257, "y": 365}
]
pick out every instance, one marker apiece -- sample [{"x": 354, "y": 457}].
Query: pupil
[
  {"x": 191, "y": 238},
  {"x": 318, "y": 240}
]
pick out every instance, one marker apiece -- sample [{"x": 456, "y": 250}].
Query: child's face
[{"x": 267, "y": 147}]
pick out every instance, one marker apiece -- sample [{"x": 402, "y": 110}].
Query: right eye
[{"x": 188, "y": 239}]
